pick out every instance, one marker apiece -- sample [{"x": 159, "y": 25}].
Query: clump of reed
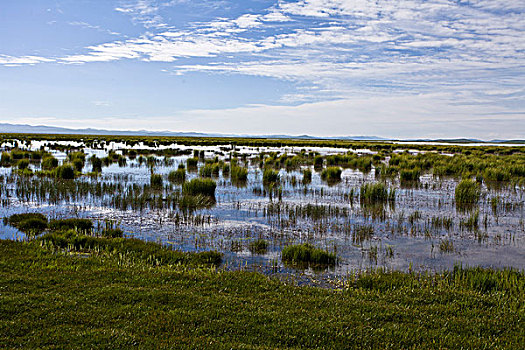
[
  {"x": 409, "y": 175},
  {"x": 307, "y": 176},
  {"x": 270, "y": 176},
  {"x": 23, "y": 164},
  {"x": 497, "y": 174},
  {"x": 376, "y": 193},
  {"x": 65, "y": 172},
  {"x": 192, "y": 163},
  {"x": 177, "y": 176},
  {"x": 446, "y": 246},
  {"x": 188, "y": 203},
  {"x": 259, "y": 246},
  {"x": 210, "y": 169},
  {"x": 77, "y": 159},
  {"x": 307, "y": 254},
  {"x": 226, "y": 169},
  {"x": 238, "y": 174},
  {"x": 205, "y": 187},
  {"x": 236, "y": 246},
  {"x": 96, "y": 164},
  {"x": 156, "y": 181},
  {"x": 467, "y": 193},
  {"x": 439, "y": 222},
  {"x": 387, "y": 171},
  {"x": 472, "y": 222},
  {"x": 350, "y": 160},
  {"x": 331, "y": 175},
  {"x": 6, "y": 159},
  {"x": 318, "y": 162},
  {"x": 362, "y": 233},
  {"x": 373, "y": 253}
]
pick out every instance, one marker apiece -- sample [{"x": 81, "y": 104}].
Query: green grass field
[{"x": 50, "y": 299}]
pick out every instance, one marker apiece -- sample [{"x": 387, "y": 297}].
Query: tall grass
[
  {"x": 376, "y": 193},
  {"x": 65, "y": 172},
  {"x": 331, "y": 175},
  {"x": 192, "y": 163},
  {"x": 467, "y": 193},
  {"x": 156, "y": 181},
  {"x": 259, "y": 246},
  {"x": 238, "y": 174},
  {"x": 96, "y": 164},
  {"x": 410, "y": 175},
  {"x": 307, "y": 176},
  {"x": 209, "y": 170},
  {"x": 270, "y": 176},
  {"x": 307, "y": 254},
  {"x": 177, "y": 176},
  {"x": 205, "y": 187},
  {"x": 119, "y": 289}
]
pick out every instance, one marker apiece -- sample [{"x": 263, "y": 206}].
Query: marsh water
[{"x": 407, "y": 234}]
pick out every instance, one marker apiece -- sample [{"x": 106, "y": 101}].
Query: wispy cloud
[
  {"x": 143, "y": 12},
  {"x": 93, "y": 27},
  {"x": 11, "y": 61}
]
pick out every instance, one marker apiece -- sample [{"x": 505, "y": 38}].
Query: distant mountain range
[{"x": 42, "y": 129}]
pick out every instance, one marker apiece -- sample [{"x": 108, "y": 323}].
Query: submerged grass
[{"x": 259, "y": 246}]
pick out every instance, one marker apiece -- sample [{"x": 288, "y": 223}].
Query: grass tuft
[
  {"x": 307, "y": 254},
  {"x": 195, "y": 187},
  {"x": 259, "y": 246}
]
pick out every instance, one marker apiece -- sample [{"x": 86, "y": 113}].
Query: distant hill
[{"x": 43, "y": 129}]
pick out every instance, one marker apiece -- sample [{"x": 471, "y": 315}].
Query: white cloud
[
  {"x": 23, "y": 60},
  {"x": 143, "y": 12}
]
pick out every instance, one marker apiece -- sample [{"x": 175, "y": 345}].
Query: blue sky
[{"x": 406, "y": 68}]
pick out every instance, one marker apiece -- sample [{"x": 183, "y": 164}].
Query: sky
[{"x": 400, "y": 69}]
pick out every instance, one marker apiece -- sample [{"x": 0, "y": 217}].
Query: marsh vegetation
[{"x": 370, "y": 205}]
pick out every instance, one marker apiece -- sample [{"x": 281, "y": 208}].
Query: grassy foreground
[{"x": 55, "y": 300}]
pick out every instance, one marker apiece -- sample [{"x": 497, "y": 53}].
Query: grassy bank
[{"x": 100, "y": 300}]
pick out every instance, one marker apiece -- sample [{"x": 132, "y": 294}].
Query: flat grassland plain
[{"x": 119, "y": 242}]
